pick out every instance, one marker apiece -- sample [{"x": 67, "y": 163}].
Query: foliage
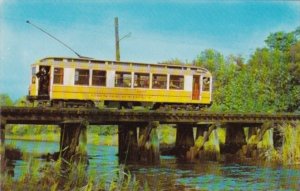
[
  {"x": 290, "y": 151},
  {"x": 175, "y": 61},
  {"x": 22, "y": 102},
  {"x": 268, "y": 82},
  {"x": 103, "y": 129},
  {"x": 5, "y": 100},
  {"x": 167, "y": 134}
]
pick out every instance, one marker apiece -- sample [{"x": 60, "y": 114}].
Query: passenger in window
[
  {"x": 206, "y": 84},
  {"x": 174, "y": 86},
  {"x": 138, "y": 82},
  {"x": 155, "y": 83},
  {"x": 146, "y": 84}
]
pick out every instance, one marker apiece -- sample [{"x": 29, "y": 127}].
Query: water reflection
[
  {"x": 173, "y": 174},
  {"x": 245, "y": 178}
]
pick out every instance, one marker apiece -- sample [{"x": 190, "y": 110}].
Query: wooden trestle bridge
[{"x": 137, "y": 128}]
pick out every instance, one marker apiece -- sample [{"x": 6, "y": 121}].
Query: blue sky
[{"x": 160, "y": 30}]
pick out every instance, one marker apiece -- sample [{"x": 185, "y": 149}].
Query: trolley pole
[{"x": 117, "y": 39}]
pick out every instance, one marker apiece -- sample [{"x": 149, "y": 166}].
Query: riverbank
[
  {"x": 166, "y": 135},
  {"x": 92, "y": 138}
]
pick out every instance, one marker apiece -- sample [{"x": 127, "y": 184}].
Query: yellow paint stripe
[{"x": 124, "y": 94}]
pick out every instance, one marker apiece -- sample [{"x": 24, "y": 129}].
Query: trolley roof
[{"x": 96, "y": 61}]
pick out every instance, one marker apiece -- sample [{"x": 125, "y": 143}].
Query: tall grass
[
  {"x": 52, "y": 177},
  {"x": 290, "y": 151}
]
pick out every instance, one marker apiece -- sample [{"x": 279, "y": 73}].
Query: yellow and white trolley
[{"x": 73, "y": 81}]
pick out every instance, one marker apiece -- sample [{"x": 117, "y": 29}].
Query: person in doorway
[{"x": 43, "y": 80}]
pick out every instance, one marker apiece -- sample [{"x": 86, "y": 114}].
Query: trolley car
[{"x": 72, "y": 82}]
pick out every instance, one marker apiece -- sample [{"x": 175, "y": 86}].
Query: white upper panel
[
  {"x": 69, "y": 76},
  {"x": 110, "y": 79},
  {"x": 188, "y": 83}
]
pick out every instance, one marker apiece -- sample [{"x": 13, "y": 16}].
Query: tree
[
  {"x": 5, "y": 100},
  {"x": 175, "y": 61},
  {"x": 281, "y": 40},
  {"x": 22, "y": 102},
  {"x": 210, "y": 59}
]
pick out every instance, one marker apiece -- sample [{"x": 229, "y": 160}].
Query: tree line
[{"x": 269, "y": 81}]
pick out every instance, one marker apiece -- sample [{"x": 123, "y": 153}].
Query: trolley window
[
  {"x": 58, "y": 76},
  {"x": 176, "y": 82},
  {"x": 159, "y": 81},
  {"x": 99, "y": 78},
  {"x": 82, "y": 77},
  {"x": 123, "y": 79},
  {"x": 141, "y": 80},
  {"x": 206, "y": 84}
]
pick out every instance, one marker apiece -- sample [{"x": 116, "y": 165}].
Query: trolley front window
[
  {"x": 82, "y": 77},
  {"x": 58, "y": 76},
  {"x": 206, "y": 84}
]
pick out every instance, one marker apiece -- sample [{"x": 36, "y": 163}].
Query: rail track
[{"x": 47, "y": 115}]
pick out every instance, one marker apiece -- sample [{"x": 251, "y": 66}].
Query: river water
[{"x": 173, "y": 174}]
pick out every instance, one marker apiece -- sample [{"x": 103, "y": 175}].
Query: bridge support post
[
  {"x": 149, "y": 144},
  {"x": 73, "y": 140},
  {"x": 266, "y": 140},
  {"x": 212, "y": 149},
  {"x": 122, "y": 132},
  {"x": 128, "y": 145},
  {"x": 205, "y": 133},
  {"x": 201, "y": 133},
  {"x": 277, "y": 137},
  {"x": 259, "y": 140},
  {"x": 184, "y": 139},
  {"x": 252, "y": 133},
  {"x": 235, "y": 138},
  {"x": 2, "y": 146},
  {"x": 250, "y": 150}
]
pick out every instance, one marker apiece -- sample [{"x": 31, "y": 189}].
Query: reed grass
[
  {"x": 51, "y": 177},
  {"x": 290, "y": 151}
]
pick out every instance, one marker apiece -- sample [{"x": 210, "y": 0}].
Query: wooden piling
[
  {"x": 277, "y": 137},
  {"x": 266, "y": 140},
  {"x": 149, "y": 144},
  {"x": 128, "y": 144},
  {"x": 258, "y": 139},
  {"x": 235, "y": 138},
  {"x": 2, "y": 147},
  {"x": 202, "y": 137},
  {"x": 122, "y": 132},
  {"x": 73, "y": 141},
  {"x": 252, "y": 133},
  {"x": 184, "y": 139},
  {"x": 2, "y": 134}
]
